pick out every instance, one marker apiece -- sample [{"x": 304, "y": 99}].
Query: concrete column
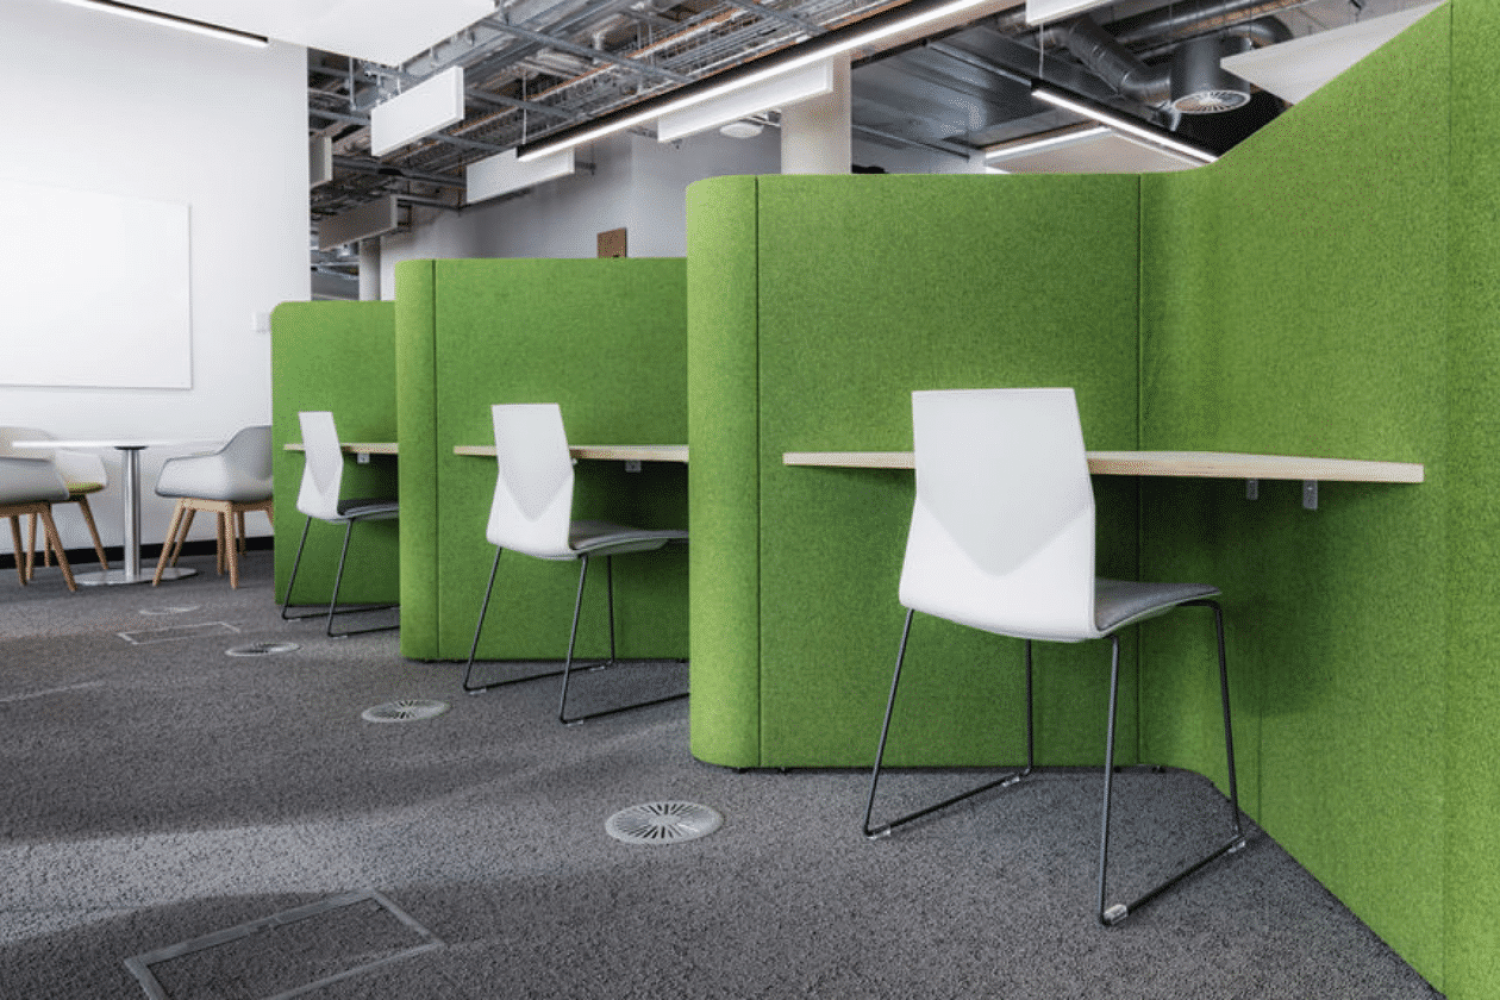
[
  {"x": 369, "y": 269},
  {"x": 817, "y": 135}
]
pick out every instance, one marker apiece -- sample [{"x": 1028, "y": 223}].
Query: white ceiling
[{"x": 389, "y": 32}]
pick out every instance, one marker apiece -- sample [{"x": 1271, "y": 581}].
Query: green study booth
[
  {"x": 605, "y": 339},
  {"x": 1328, "y": 289}
]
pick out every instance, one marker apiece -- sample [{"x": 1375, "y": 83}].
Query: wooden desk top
[
  {"x": 359, "y": 447},
  {"x": 1196, "y": 464},
  {"x": 617, "y": 452}
]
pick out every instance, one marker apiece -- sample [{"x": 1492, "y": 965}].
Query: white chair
[
  {"x": 320, "y": 498},
  {"x": 1002, "y": 540},
  {"x": 29, "y": 487},
  {"x": 228, "y": 483},
  {"x": 82, "y": 471},
  {"x": 532, "y": 513}
]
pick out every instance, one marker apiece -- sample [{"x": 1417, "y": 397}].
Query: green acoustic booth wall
[
  {"x": 1473, "y": 593},
  {"x": 724, "y": 474},
  {"x": 841, "y": 296},
  {"x": 336, "y": 356},
  {"x": 606, "y": 340},
  {"x": 416, "y": 378},
  {"x": 1295, "y": 302}
]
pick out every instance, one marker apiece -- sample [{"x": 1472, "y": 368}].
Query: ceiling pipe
[
  {"x": 1191, "y": 82},
  {"x": 1104, "y": 56}
]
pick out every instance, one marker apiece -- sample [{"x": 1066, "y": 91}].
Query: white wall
[{"x": 98, "y": 103}]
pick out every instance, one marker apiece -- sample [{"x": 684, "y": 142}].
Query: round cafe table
[{"x": 130, "y": 459}]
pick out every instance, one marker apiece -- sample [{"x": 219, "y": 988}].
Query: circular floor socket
[
  {"x": 408, "y": 710},
  {"x": 262, "y": 649},
  {"x": 663, "y": 823}
]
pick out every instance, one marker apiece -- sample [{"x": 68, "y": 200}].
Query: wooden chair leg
[
  {"x": 221, "y": 538},
  {"x": 62, "y": 555},
  {"x": 31, "y": 548},
  {"x": 188, "y": 513},
  {"x": 88, "y": 520},
  {"x": 166, "y": 549},
  {"x": 21, "y": 557},
  {"x": 234, "y": 521}
]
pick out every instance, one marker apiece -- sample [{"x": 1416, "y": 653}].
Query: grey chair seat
[
  {"x": 369, "y": 508},
  {"x": 531, "y": 514},
  {"x": 1118, "y": 603},
  {"x": 601, "y": 537}
]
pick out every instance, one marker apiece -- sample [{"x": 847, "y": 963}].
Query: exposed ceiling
[
  {"x": 533, "y": 67},
  {"x": 537, "y": 66}
]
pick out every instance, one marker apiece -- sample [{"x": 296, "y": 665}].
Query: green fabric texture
[
  {"x": 416, "y": 416},
  {"x": 723, "y": 410},
  {"x": 606, "y": 340},
  {"x": 841, "y": 324},
  {"x": 1472, "y": 795},
  {"x": 1296, "y": 303},
  {"x": 336, "y": 356},
  {"x": 1328, "y": 288}
]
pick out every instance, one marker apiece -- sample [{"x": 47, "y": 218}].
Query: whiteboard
[{"x": 97, "y": 290}]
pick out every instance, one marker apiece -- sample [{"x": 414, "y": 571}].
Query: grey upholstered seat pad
[
  {"x": 597, "y": 536},
  {"x": 1118, "y": 602},
  {"x": 355, "y": 509}
]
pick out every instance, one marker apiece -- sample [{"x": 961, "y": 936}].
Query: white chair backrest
[
  {"x": 1002, "y": 530},
  {"x": 533, "y": 505},
  {"x": 249, "y": 452},
  {"x": 323, "y": 475},
  {"x": 30, "y": 480},
  {"x": 73, "y": 466},
  {"x": 240, "y": 471}
]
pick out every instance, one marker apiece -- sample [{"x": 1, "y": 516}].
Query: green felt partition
[
  {"x": 811, "y": 327},
  {"x": 606, "y": 340},
  {"x": 336, "y": 356},
  {"x": 1472, "y": 592},
  {"x": 1329, "y": 288},
  {"x": 722, "y": 408},
  {"x": 1316, "y": 324}
]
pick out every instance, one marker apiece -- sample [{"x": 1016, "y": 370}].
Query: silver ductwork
[
  {"x": 1199, "y": 85},
  {"x": 1113, "y": 63},
  {"x": 1192, "y": 82}
]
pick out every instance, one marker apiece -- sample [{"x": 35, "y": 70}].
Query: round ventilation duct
[{"x": 1199, "y": 85}]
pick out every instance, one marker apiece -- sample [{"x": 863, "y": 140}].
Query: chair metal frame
[
  {"x": 1064, "y": 528},
  {"x": 568, "y": 664},
  {"x": 319, "y": 499},
  {"x": 531, "y": 514}
]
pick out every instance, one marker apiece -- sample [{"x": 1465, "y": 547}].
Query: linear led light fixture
[
  {"x": 1006, "y": 151},
  {"x": 908, "y": 16},
  {"x": 173, "y": 21},
  {"x": 1120, "y": 123}
]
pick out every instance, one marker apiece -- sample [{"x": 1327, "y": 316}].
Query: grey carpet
[{"x": 154, "y": 793}]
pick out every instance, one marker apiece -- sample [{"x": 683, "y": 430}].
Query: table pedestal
[{"x": 130, "y": 455}]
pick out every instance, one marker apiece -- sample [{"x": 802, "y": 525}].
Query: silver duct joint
[{"x": 1116, "y": 65}]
